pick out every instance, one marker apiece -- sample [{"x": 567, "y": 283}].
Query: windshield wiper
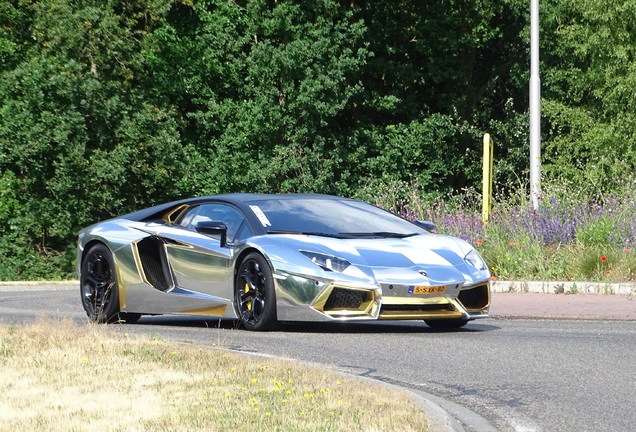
[
  {"x": 377, "y": 234},
  {"x": 312, "y": 233},
  {"x": 347, "y": 235}
]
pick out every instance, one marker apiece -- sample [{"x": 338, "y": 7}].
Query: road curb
[
  {"x": 563, "y": 287},
  {"x": 39, "y": 285}
]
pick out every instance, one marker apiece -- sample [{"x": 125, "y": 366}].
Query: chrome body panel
[
  {"x": 200, "y": 272},
  {"x": 196, "y": 274}
]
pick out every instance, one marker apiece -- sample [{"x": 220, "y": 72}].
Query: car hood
[{"x": 428, "y": 259}]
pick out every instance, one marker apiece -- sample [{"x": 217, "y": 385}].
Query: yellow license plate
[{"x": 428, "y": 289}]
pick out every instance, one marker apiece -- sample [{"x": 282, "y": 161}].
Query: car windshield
[{"x": 330, "y": 217}]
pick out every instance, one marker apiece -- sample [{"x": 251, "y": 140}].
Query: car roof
[{"x": 238, "y": 199}]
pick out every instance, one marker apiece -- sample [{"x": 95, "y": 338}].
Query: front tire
[
  {"x": 98, "y": 285},
  {"x": 255, "y": 297}
]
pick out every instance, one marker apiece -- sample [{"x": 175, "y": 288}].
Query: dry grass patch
[{"x": 58, "y": 376}]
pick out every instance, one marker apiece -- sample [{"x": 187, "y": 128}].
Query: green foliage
[
  {"x": 267, "y": 82},
  {"x": 525, "y": 259},
  {"x": 76, "y": 141},
  {"x": 589, "y": 80},
  {"x": 596, "y": 233},
  {"x": 109, "y": 107},
  {"x": 426, "y": 152}
]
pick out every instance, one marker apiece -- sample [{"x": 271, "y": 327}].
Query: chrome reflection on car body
[{"x": 164, "y": 268}]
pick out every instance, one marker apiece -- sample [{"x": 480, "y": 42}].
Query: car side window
[{"x": 237, "y": 228}]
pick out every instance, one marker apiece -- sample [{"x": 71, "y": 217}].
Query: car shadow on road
[{"x": 382, "y": 327}]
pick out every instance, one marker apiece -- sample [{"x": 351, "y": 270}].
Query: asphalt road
[{"x": 513, "y": 374}]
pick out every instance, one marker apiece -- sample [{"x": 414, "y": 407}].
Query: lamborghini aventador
[{"x": 269, "y": 259}]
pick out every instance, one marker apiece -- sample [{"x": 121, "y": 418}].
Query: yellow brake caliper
[{"x": 249, "y": 303}]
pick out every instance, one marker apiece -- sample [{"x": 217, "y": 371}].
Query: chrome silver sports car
[{"x": 265, "y": 259}]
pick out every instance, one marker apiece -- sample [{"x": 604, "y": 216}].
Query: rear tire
[
  {"x": 254, "y": 293},
  {"x": 446, "y": 324},
  {"x": 98, "y": 285}
]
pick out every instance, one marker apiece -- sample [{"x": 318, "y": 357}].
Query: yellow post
[{"x": 487, "y": 178}]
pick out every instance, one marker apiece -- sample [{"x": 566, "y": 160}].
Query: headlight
[
  {"x": 327, "y": 262},
  {"x": 474, "y": 259}
]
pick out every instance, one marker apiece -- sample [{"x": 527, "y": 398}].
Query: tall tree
[
  {"x": 589, "y": 107},
  {"x": 263, "y": 87},
  {"x": 78, "y": 141}
]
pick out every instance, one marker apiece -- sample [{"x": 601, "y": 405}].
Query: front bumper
[{"x": 336, "y": 301}]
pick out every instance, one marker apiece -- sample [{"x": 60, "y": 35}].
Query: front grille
[{"x": 345, "y": 299}]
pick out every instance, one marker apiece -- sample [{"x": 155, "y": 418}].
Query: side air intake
[
  {"x": 475, "y": 298},
  {"x": 154, "y": 264},
  {"x": 345, "y": 299}
]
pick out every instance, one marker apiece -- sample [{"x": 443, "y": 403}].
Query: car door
[{"x": 199, "y": 262}]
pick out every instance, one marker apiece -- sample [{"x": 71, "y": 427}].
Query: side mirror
[
  {"x": 213, "y": 228},
  {"x": 427, "y": 225}
]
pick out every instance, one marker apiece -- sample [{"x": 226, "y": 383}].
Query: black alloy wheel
[
  {"x": 255, "y": 298},
  {"x": 98, "y": 284}
]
